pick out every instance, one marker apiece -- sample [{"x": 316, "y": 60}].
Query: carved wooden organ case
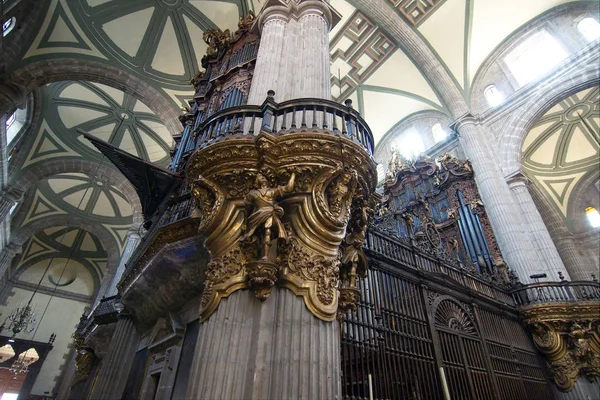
[
  {"x": 435, "y": 205},
  {"x": 225, "y": 82}
]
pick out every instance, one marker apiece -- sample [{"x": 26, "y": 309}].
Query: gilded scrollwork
[
  {"x": 224, "y": 274},
  {"x": 208, "y": 200},
  {"x": 287, "y": 201},
  {"x": 569, "y": 337}
]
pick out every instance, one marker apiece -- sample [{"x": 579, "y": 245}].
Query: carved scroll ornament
[
  {"x": 282, "y": 223},
  {"x": 569, "y": 337}
]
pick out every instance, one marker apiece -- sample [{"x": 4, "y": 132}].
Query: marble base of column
[{"x": 271, "y": 350}]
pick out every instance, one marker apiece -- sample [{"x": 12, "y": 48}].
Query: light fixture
[
  {"x": 593, "y": 217},
  {"x": 21, "y": 319}
]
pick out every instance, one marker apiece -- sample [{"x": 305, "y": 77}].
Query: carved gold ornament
[
  {"x": 275, "y": 210},
  {"x": 569, "y": 337}
]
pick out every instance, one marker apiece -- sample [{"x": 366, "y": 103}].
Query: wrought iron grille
[{"x": 403, "y": 334}]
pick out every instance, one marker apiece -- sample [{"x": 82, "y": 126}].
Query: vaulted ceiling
[
  {"x": 561, "y": 150},
  {"x": 160, "y": 41}
]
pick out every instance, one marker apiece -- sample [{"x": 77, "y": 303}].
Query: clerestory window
[{"x": 535, "y": 57}]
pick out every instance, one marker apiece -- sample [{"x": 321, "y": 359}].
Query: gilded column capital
[
  {"x": 568, "y": 334},
  {"x": 287, "y": 9},
  {"x": 288, "y": 210}
]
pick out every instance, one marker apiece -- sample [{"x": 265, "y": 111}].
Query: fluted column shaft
[
  {"x": 271, "y": 350},
  {"x": 268, "y": 61},
  {"x": 511, "y": 233},
  {"x": 313, "y": 77},
  {"x": 552, "y": 262},
  {"x": 293, "y": 58},
  {"x": 115, "y": 366}
]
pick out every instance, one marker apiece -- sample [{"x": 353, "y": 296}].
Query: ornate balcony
[
  {"x": 299, "y": 115},
  {"x": 564, "y": 319}
]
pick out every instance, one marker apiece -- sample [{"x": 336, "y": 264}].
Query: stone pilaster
[
  {"x": 541, "y": 237},
  {"x": 511, "y": 233},
  {"x": 293, "y": 58},
  {"x": 10, "y": 196},
  {"x": 112, "y": 376},
  {"x": 6, "y": 256}
]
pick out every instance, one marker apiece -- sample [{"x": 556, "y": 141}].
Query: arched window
[
  {"x": 439, "y": 133},
  {"x": 493, "y": 96},
  {"x": 593, "y": 217},
  {"x": 8, "y": 26},
  {"x": 539, "y": 54},
  {"x": 589, "y": 28},
  {"x": 410, "y": 144}
]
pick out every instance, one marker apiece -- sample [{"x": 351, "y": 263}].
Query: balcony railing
[
  {"x": 556, "y": 292},
  {"x": 287, "y": 117},
  {"x": 179, "y": 208},
  {"x": 411, "y": 257}
]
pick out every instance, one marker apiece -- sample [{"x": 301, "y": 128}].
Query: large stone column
[
  {"x": 271, "y": 350},
  {"x": 274, "y": 210},
  {"x": 510, "y": 231},
  {"x": 552, "y": 263},
  {"x": 293, "y": 58},
  {"x": 112, "y": 376}
]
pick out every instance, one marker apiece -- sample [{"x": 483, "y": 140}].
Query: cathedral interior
[{"x": 300, "y": 199}]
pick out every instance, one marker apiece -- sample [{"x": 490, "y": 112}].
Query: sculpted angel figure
[
  {"x": 341, "y": 191},
  {"x": 353, "y": 256},
  {"x": 262, "y": 211}
]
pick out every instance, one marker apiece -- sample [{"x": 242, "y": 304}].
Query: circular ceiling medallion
[{"x": 577, "y": 112}]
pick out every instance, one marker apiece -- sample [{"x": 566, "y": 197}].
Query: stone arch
[
  {"x": 569, "y": 81},
  {"x": 382, "y": 150},
  {"x": 31, "y": 176},
  {"x": 39, "y": 73},
  {"x": 578, "y": 266},
  {"x": 22, "y": 234},
  {"x": 97, "y": 279},
  {"x": 582, "y": 199},
  {"x": 490, "y": 70},
  {"x": 418, "y": 51}
]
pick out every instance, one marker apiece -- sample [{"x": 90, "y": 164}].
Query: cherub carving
[{"x": 263, "y": 212}]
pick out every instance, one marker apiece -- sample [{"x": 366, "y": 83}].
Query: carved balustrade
[
  {"x": 406, "y": 255},
  {"x": 547, "y": 293},
  {"x": 299, "y": 115}
]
